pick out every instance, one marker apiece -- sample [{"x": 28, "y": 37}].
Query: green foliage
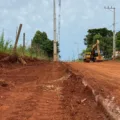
[
  {"x": 118, "y": 41},
  {"x": 42, "y": 46},
  {"x": 97, "y": 37},
  {"x": 86, "y": 50},
  {"x": 20, "y": 49},
  {"x": 41, "y": 42},
  {"x": 2, "y": 42},
  {"x": 104, "y": 36},
  {"x": 104, "y": 32},
  {"x": 44, "y": 36},
  {"x": 4, "y": 45},
  {"x": 48, "y": 47}
]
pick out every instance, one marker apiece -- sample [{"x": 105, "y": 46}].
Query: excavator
[{"x": 94, "y": 55}]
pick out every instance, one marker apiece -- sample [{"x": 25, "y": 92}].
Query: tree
[
  {"x": 48, "y": 47},
  {"x": 97, "y": 37},
  {"x": 41, "y": 41},
  {"x": 44, "y": 36},
  {"x": 104, "y": 36},
  {"x": 104, "y": 32},
  {"x": 37, "y": 39},
  {"x": 118, "y": 41}
]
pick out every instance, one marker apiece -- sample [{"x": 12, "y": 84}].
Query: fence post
[{"x": 17, "y": 37}]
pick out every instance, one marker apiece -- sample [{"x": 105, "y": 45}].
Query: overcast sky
[{"x": 77, "y": 16}]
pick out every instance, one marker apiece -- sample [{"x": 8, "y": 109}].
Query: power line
[{"x": 109, "y": 26}]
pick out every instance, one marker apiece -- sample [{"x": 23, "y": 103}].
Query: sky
[{"x": 77, "y": 16}]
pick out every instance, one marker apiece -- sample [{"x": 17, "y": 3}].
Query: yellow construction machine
[
  {"x": 94, "y": 55},
  {"x": 87, "y": 57}
]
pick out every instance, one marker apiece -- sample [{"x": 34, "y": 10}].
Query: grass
[
  {"x": 118, "y": 59},
  {"x": 6, "y": 47}
]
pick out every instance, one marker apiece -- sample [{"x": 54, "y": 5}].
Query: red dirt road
[
  {"x": 103, "y": 77},
  {"x": 45, "y": 91}
]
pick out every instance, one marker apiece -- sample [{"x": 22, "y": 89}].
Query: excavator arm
[{"x": 96, "y": 46}]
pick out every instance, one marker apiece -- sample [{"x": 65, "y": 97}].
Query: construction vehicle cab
[
  {"x": 95, "y": 57},
  {"x": 87, "y": 57}
]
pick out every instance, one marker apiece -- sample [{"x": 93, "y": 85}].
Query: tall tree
[
  {"x": 41, "y": 41},
  {"x": 104, "y": 36},
  {"x": 37, "y": 39}
]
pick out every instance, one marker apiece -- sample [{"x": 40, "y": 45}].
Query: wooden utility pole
[
  {"x": 23, "y": 43},
  {"x": 16, "y": 41}
]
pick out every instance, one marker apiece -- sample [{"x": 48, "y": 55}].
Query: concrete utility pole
[
  {"x": 55, "y": 56},
  {"x": 114, "y": 41}
]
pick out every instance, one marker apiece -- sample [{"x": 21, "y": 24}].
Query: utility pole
[
  {"x": 114, "y": 41},
  {"x": 55, "y": 56}
]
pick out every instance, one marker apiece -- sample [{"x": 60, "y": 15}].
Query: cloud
[{"x": 76, "y": 18}]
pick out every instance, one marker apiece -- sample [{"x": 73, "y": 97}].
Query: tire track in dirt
[{"x": 47, "y": 92}]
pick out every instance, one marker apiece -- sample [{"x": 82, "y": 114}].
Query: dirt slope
[{"x": 103, "y": 76}]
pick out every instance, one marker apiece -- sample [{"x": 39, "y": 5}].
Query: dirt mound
[
  {"x": 78, "y": 101},
  {"x": 6, "y": 59},
  {"x": 30, "y": 60}
]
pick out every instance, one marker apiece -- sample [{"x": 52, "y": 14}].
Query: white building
[{"x": 117, "y": 53}]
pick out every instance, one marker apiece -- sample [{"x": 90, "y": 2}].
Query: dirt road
[
  {"x": 103, "y": 77},
  {"x": 45, "y": 91}
]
